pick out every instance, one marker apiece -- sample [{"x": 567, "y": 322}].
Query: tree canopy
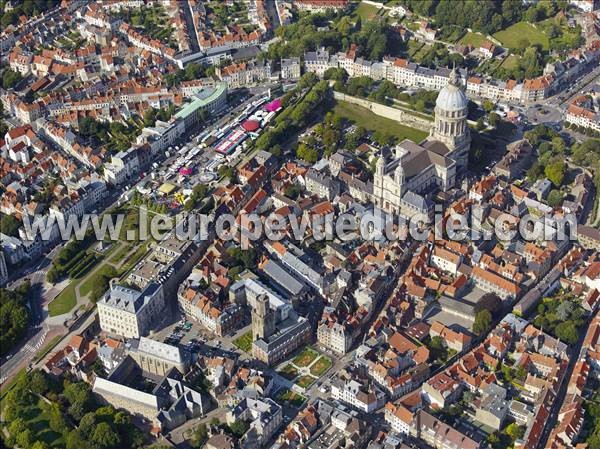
[
  {"x": 14, "y": 316},
  {"x": 483, "y": 322}
]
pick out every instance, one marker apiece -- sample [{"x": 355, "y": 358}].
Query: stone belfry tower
[{"x": 263, "y": 318}]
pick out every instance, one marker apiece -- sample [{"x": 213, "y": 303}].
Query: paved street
[{"x": 574, "y": 354}]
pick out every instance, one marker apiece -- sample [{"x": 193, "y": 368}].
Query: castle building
[{"x": 406, "y": 174}]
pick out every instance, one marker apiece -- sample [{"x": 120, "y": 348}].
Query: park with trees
[
  {"x": 40, "y": 412},
  {"x": 14, "y": 316}
]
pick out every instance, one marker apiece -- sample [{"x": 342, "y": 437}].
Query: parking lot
[{"x": 194, "y": 337}]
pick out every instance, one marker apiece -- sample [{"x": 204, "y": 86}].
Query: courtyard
[{"x": 306, "y": 368}]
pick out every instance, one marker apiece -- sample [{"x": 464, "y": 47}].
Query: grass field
[
  {"x": 512, "y": 36},
  {"x": 320, "y": 366},
  {"x": 67, "y": 299},
  {"x": 414, "y": 47},
  {"x": 510, "y": 62},
  {"x": 366, "y": 12},
  {"x": 374, "y": 122},
  {"x": 244, "y": 342},
  {"x": 475, "y": 39},
  {"x": 87, "y": 286},
  {"x": 291, "y": 398},
  {"x": 305, "y": 381},
  {"x": 418, "y": 51},
  {"x": 289, "y": 372},
  {"x": 64, "y": 302},
  {"x": 306, "y": 357},
  {"x": 119, "y": 254}
]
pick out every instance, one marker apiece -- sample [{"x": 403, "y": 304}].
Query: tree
[
  {"x": 307, "y": 153},
  {"x": 480, "y": 124},
  {"x": 567, "y": 332},
  {"x": 226, "y": 172},
  {"x": 105, "y": 436},
  {"x": 555, "y": 198},
  {"x": 14, "y": 317},
  {"x": 514, "y": 431},
  {"x": 25, "y": 438},
  {"x": 493, "y": 439},
  {"x": 535, "y": 172},
  {"x": 52, "y": 275},
  {"x": 344, "y": 26},
  {"x": 352, "y": 140},
  {"x": 558, "y": 144},
  {"x": 57, "y": 421},
  {"x": 78, "y": 409},
  {"x": 488, "y": 106},
  {"x": 200, "y": 436},
  {"x": 9, "y": 225},
  {"x": 239, "y": 428},
  {"x": 37, "y": 382},
  {"x": 555, "y": 172},
  {"x": 40, "y": 445},
  {"x": 483, "y": 322},
  {"x": 437, "y": 348},
  {"x": 17, "y": 426},
  {"x": 76, "y": 391},
  {"x": 292, "y": 191},
  {"x": 10, "y": 78},
  {"x": 493, "y": 119},
  {"x": 468, "y": 397},
  {"x": 331, "y": 137}
]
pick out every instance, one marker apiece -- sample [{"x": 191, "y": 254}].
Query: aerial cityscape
[{"x": 320, "y": 224}]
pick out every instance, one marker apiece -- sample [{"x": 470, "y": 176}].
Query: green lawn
[
  {"x": 244, "y": 342},
  {"x": 374, "y": 122},
  {"x": 414, "y": 47},
  {"x": 291, "y": 398},
  {"x": 418, "y": 55},
  {"x": 135, "y": 257},
  {"x": 306, "y": 357},
  {"x": 121, "y": 252},
  {"x": 320, "y": 366},
  {"x": 64, "y": 302},
  {"x": 305, "y": 381},
  {"x": 87, "y": 286},
  {"x": 511, "y": 62},
  {"x": 475, "y": 39},
  {"x": 513, "y": 36},
  {"x": 366, "y": 12},
  {"x": 289, "y": 372}
]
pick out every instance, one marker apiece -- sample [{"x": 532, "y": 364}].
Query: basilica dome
[{"x": 452, "y": 97}]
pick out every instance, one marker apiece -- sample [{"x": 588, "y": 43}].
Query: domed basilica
[{"x": 406, "y": 175}]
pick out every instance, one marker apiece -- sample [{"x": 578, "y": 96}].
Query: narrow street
[
  {"x": 186, "y": 9},
  {"x": 574, "y": 353}
]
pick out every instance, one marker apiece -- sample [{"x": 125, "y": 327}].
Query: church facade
[{"x": 406, "y": 174}]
